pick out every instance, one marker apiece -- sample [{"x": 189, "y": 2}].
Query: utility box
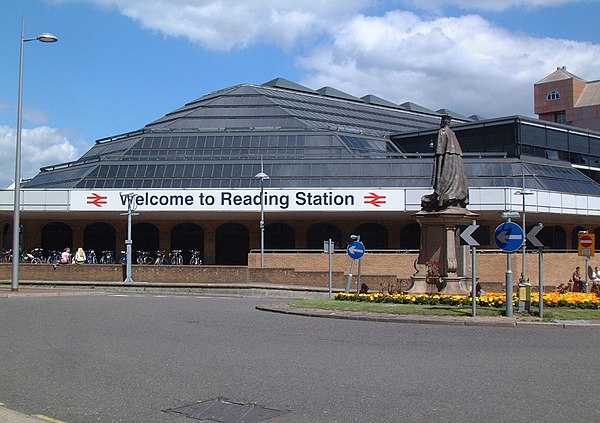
[{"x": 524, "y": 296}]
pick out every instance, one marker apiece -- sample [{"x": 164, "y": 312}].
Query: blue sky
[{"x": 120, "y": 64}]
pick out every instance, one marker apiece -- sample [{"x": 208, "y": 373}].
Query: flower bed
[{"x": 492, "y": 299}]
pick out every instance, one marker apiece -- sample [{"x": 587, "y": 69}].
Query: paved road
[{"x": 115, "y": 358}]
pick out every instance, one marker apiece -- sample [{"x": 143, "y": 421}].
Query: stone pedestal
[{"x": 436, "y": 266}]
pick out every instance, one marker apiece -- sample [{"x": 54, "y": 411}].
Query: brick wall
[{"x": 308, "y": 269}]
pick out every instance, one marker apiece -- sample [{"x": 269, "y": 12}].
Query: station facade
[{"x": 337, "y": 165}]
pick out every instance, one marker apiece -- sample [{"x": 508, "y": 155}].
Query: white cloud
[
  {"x": 465, "y": 64},
  {"x": 40, "y": 146},
  {"x": 231, "y": 24},
  {"x": 490, "y": 5}
]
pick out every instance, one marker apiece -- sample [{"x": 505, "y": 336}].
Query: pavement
[
  {"x": 32, "y": 289},
  {"x": 10, "y": 416}
]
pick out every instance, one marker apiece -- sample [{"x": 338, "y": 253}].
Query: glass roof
[{"x": 304, "y": 139}]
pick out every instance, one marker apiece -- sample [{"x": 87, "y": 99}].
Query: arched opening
[
  {"x": 373, "y": 235},
  {"x": 321, "y": 232},
  {"x": 279, "y": 236},
  {"x": 553, "y": 237},
  {"x": 232, "y": 244},
  {"x": 410, "y": 237},
  {"x": 186, "y": 237},
  {"x": 99, "y": 237},
  {"x": 145, "y": 237},
  {"x": 56, "y": 236}
]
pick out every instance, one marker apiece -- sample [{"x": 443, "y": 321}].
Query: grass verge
[{"x": 550, "y": 313}]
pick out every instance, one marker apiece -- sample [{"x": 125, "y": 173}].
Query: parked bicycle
[
  {"x": 161, "y": 258},
  {"x": 91, "y": 257},
  {"x": 38, "y": 256},
  {"x": 123, "y": 257},
  {"x": 144, "y": 257},
  {"x": 196, "y": 259},
  {"x": 54, "y": 256},
  {"x": 108, "y": 257},
  {"x": 176, "y": 257}
]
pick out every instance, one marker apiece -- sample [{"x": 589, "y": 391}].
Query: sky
[{"x": 120, "y": 64}]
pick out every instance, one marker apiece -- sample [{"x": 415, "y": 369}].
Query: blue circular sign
[
  {"x": 509, "y": 237},
  {"x": 356, "y": 250}
]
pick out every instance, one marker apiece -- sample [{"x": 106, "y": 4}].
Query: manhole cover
[{"x": 223, "y": 410}]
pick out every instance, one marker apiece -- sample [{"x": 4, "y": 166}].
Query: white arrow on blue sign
[
  {"x": 356, "y": 250},
  {"x": 509, "y": 237}
]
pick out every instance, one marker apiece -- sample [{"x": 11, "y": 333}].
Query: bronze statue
[{"x": 450, "y": 186}]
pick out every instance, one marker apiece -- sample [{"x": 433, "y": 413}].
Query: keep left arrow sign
[{"x": 466, "y": 235}]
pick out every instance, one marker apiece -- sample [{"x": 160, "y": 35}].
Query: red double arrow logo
[
  {"x": 374, "y": 199},
  {"x": 97, "y": 200}
]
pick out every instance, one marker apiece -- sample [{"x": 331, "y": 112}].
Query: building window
[
  {"x": 561, "y": 117},
  {"x": 553, "y": 95}
]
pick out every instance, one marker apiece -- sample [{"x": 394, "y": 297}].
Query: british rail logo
[{"x": 97, "y": 200}]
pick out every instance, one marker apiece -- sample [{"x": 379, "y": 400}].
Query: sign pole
[
  {"x": 358, "y": 276},
  {"x": 509, "y": 287},
  {"x": 349, "y": 280},
  {"x": 541, "y": 271},
  {"x": 330, "y": 250},
  {"x": 474, "y": 281}
]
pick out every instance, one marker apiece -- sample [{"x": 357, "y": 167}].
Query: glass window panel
[
  {"x": 119, "y": 183},
  {"x": 141, "y": 171},
  {"x": 532, "y": 135},
  {"x": 122, "y": 170},
  {"x": 188, "y": 171},
  {"x": 178, "y": 171},
  {"x": 112, "y": 171},
  {"x": 150, "y": 171},
  {"x": 102, "y": 171},
  {"x": 579, "y": 143},
  {"x": 169, "y": 171},
  {"x": 557, "y": 140}
]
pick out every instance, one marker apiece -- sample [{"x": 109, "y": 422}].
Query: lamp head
[
  {"x": 262, "y": 176},
  {"x": 47, "y": 38}
]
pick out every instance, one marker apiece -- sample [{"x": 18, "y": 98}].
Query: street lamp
[
  {"x": 508, "y": 215},
  {"x": 130, "y": 208},
  {"x": 16, "y": 249},
  {"x": 524, "y": 193},
  {"x": 262, "y": 176}
]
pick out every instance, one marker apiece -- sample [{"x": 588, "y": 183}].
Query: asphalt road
[{"x": 114, "y": 358}]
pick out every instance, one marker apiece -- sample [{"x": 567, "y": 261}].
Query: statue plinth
[{"x": 436, "y": 266}]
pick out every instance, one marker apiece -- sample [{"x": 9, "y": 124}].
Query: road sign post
[
  {"x": 509, "y": 237},
  {"x": 355, "y": 250},
  {"x": 532, "y": 237},
  {"x": 467, "y": 235},
  {"x": 328, "y": 248}
]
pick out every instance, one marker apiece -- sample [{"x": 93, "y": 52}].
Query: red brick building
[{"x": 563, "y": 97}]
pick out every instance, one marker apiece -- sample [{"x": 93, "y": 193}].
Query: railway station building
[{"x": 332, "y": 165}]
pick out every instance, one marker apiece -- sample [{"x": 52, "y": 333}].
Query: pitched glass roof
[{"x": 305, "y": 138}]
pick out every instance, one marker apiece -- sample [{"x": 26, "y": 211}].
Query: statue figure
[{"x": 450, "y": 186}]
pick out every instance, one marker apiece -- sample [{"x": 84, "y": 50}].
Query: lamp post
[
  {"x": 16, "y": 249},
  {"x": 524, "y": 193},
  {"x": 262, "y": 176},
  {"x": 508, "y": 215},
  {"x": 130, "y": 208}
]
